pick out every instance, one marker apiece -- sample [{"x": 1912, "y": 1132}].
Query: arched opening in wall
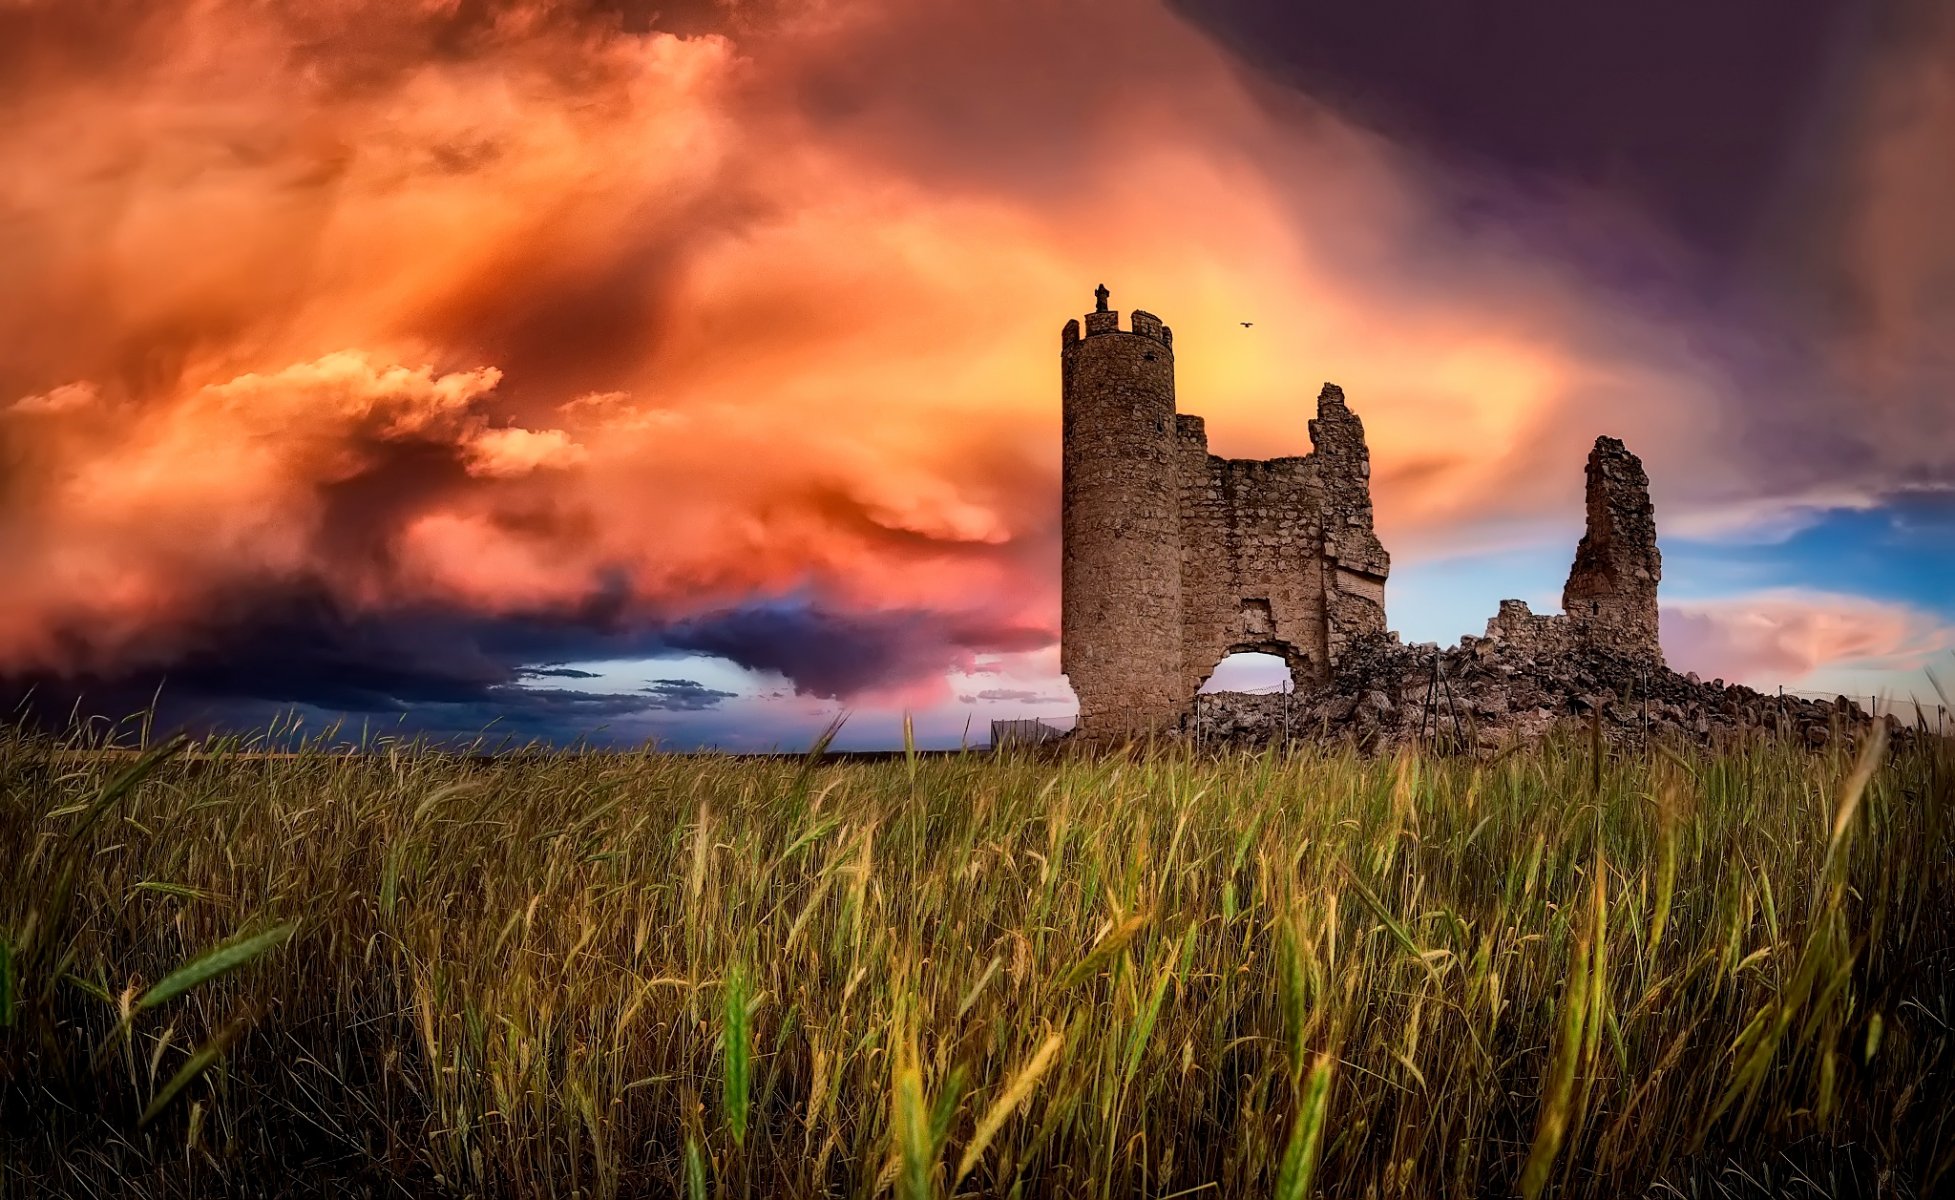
[{"x": 1251, "y": 671}]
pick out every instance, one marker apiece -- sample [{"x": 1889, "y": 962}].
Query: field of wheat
[{"x": 411, "y": 973}]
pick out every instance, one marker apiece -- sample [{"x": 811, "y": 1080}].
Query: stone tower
[
  {"x": 1120, "y": 625},
  {"x": 1176, "y": 558}
]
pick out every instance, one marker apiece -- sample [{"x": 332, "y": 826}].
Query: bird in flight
[{"x": 1247, "y": 324}]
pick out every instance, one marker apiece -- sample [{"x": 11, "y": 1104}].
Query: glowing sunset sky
[{"x": 691, "y": 370}]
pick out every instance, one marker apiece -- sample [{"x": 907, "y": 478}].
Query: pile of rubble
[{"x": 1487, "y": 694}]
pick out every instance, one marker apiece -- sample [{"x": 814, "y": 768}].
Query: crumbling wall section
[
  {"x": 1354, "y": 560},
  {"x": 1486, "y": 697},
  {"x": 1609, "y": 601},
  {"x": 1251, "y": 577},
  {"x": 1529, "y": 633}
]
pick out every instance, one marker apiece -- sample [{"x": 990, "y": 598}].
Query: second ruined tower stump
[{"x": 1611, "y": 592}]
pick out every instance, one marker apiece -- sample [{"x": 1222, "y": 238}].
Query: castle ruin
[{"x": 1176, "y": 558}]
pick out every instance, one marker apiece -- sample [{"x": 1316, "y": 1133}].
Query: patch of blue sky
[
  {"x": 1443, "y": 599},
  {"x": 624, "y": 676},
  {"x": 1902, "y": 552}
]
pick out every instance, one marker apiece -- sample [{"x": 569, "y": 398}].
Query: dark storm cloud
[
  {"x": 1762, "y": 174},
  {"x": 272, "y": 649},
  {"x": 403, "y": 477},
  {"x": 579, "y": 325},
  {"x": 547, "y": 714},
  {"x": 834, "y": 655},
  {"x": 1696, "y": 111},
  {"x": 684, "y": 695}
]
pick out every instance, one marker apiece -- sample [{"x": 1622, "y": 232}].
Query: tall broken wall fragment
[
  {"x": 1609, "y": 601},
  {"x": 1611, "y": 591},
  {"x": 1354, "y": 558}
]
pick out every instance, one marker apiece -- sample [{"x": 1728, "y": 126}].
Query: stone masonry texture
[{"x": 1176, "y": 558}]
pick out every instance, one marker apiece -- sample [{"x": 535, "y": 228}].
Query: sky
[{"x": 624, "y": 370}]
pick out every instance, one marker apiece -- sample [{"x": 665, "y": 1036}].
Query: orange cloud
[{"x": 1769, "y": 638}]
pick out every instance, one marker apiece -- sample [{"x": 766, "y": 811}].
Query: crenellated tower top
[{"x": 1104, "y": 320}]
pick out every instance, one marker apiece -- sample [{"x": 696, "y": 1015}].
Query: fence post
[{"x": 1451, "y": 707}]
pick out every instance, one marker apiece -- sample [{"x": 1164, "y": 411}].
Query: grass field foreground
[{"x": 1313, "y": 974}]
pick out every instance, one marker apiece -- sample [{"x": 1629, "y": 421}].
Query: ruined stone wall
[
  {"x": 1355, "y": 562},
  {"x": 1121, "y": 579},
  {"x": 1529, "y": 633},
  {"x": 1251, "y": 575},
  {"x": 1609, "y": 601},
  {"x": 1176, "y": 558},
  {"x": 1598, "y": 664},
  {"x": 1485, "y": 697}
]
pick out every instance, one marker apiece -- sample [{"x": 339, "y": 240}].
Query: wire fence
[
  {"x": 1912, "y": 710},
  {"x": 1274, "y": 689}
]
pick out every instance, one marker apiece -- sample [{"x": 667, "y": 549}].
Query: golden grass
[{"x": 612, "y": 975}]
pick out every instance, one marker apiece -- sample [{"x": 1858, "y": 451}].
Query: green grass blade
[
  {"x": 737, "y": 1037},
  {"x": 944, "y": 1111},
  {"x": 1556, "y": 1102},
  {"x": 1306, "y": 1134},
  {"x": 1399, "y": 933},
  {"x": 695, "y": 1170},
  {"x": 180, "y": 891},
  {"x": 220, "y": 960},
  {"x": 207, "y": 1055},
  {"x": 824, "y": 739},
  {"x": 1149, "y": 1015},
  {"x": 1292, "y": 992},
  {"x": 911, "y": 1122}
]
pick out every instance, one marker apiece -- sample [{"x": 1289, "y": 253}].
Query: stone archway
[{"x": 1292, "y": 663}]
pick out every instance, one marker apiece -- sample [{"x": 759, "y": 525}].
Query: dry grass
[{"x": 589, "y": 975}]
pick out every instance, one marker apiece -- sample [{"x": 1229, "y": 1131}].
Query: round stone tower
[{"x": 1120, "y": 588}]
